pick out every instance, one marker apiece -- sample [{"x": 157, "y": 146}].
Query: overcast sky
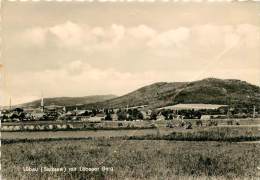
[{"x": 81, "y": 48}]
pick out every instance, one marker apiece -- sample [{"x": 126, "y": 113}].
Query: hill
[
  {"x": 207, "y": 91},
  {"x": 69, "y": 101}
]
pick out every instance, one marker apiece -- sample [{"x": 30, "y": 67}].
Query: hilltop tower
[
  {"x": 253, "y": 112},
  {"x": 42, "y": 104}
]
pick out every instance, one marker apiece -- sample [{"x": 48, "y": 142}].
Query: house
[
  {"x": 53, "y": 109},
  {"x": 84, "y": 118},
  {"x": 160, "y": 117},
  {"x": 98, "y": 118},
  {"x": 178, "y": 117},
  {"x": 219, "y": 116},
  {"x": 38, "y": 115},
  {"x": 145, "y": 114},
  {"x": 70, "y": 113},
  {"x": 114, "y": 117},
  {"x": 205, "y": 117},
  {"x": 137, "y": 107},
  {"x": 29, "y": 109},
  {"x": 149, "y": 112},
  {"x": 192, "y": 106}
]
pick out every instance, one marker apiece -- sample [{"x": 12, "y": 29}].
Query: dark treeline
[{"x": 131, "y": 114}]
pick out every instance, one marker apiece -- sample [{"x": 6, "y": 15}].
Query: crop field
[
  {"x": 125, "y": 159},
  {"x": 248, "y": 121},
  {"x": 215, "y": 152},
  {"x": 213, "y": 133},
  {"x": 74, "y": 125},
  {"x": 75, "y": 134},
  {"x": 221, "y": 122}
]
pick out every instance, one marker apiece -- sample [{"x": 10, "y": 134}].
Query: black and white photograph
[{"x": 130, "y": 89}]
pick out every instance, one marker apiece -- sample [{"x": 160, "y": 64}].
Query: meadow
[
  {"x": 215, "y": 152},
  {"x": 75, "y": 134},
  {"x": 132, "y": 159},
  {"x": 214, "y": 133}
]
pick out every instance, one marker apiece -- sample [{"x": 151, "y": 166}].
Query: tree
[
  {"x": 153, "y": 115},
  {"x": 94, "y": 112},
  {"x": 108, "y": 116},
  {"x": 121, "y": 115}
]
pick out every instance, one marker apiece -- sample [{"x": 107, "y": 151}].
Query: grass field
[
  {"x": 232, "y": 133},
  {"x": 75, "y": 134},
  {"x": 160, "y": 153},
  {"x": 132, "y": 159},
  {"x": 247, "y": 121}
]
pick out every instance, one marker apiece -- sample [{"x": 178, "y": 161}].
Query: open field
[
  {"x": 214, "y": 152},
  {"x": 53, "y": 126},
  {"x": 132, "y": 159},
  {"x": 75, "y": 134},
  {"x": 221, "y": 122},
  {"x": 74, "y": 125},
  {"x": 247, "y": 121},
  {"x": 213, "y": 133}
]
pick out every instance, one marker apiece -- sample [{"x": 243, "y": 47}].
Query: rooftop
[{"x": 193, "y": 106}]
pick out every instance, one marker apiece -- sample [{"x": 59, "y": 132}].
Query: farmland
[
  {"x": 132, "y": 159},
  {"x": 75, "y": 134},
  {"x": 246, "y": 129},
  {"x": 216, "y": 152},
  {"x": 196, "y": 134},
  {"x": 112, "y": 125}
]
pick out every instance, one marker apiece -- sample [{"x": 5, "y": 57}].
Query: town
[{"x": 55, "y": 117}]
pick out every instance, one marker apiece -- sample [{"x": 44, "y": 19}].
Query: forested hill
[
  {"x": 69, "y": 101},
  {"x": 208, "y": 91}
]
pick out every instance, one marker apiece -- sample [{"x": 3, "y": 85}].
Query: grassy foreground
[
  {"x": 230, "y": 134},
  {"x": 131, "y": 159}
]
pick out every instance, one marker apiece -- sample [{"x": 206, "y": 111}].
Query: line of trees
[{"x": 123, "y": 114}]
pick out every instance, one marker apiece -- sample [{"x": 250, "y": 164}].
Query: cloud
[
  {"x": 117, "y": 33},
  {"x": 95, "y": 39},
  {"x": 142, "y": 32},
  {"x": 68, "y": 34},
  {"x": 241, "y": 35},
  {"x": 176, "y": 37}
]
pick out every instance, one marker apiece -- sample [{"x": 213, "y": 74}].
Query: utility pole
[
  {"x": 42, "y": 103},
  {"x": 229, "y": 105},
  {"x": 254, "y": 112},
  {"x": 10, "y": 103},
  {"x": 228, "y": 113}
]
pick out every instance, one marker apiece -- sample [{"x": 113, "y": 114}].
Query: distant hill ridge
[
  {"x": 206, "y": 91},
  {"x": 69, "y": 101}
]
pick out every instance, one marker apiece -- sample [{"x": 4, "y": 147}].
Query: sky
[{"x": 83, "y": 48}]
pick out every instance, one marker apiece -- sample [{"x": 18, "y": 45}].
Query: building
[
  {"x": 192, "y": 106},
  {"x": 160, "y": 117},
  {"x": 114, "y": 117},
  {"x": 205, "y": 117},
  {"x": 98, "y": 118}
]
